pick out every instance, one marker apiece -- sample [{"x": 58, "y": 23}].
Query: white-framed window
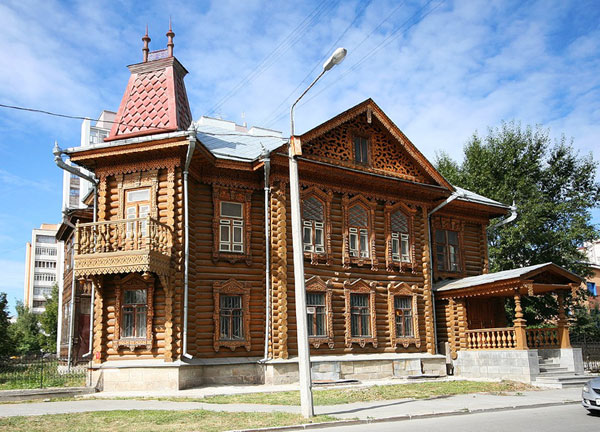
[
  {"x": 313, "y": 227},
  {"x": 231, "y": 227},
  {"x": 400, "y": 237},
  {"x": 358, "y": 232},
  {"x": 137, "y": 205}
]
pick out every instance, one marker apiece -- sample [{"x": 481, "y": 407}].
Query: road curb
[
  {"x": 46, "y": 393},
  {"x": 465, "y": 411}
]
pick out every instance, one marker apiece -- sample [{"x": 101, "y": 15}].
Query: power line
[
  {"x": 291, "y": 39},
  {"x": 358, "y": 13},
  {"x": 390, "y": 38},
  {"x": 75, "y": 117}
]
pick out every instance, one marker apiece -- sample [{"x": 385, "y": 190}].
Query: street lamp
[{"x": 306, "y": 400}]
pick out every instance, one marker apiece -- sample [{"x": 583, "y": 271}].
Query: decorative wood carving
[
  {"x": 449, "y": 224},
  {"x": 325, "y": 199},
  {"x": 484, "y": 248},
  {"x": 138, "y": 166},
  {"x": 369, "y": 207},
  {"x": 98, "y": 319},
  {"x": 427, "y": 285},
  {"x": 234, "y": 195},
  {"x": 360, "y": 286},
  {"x": 235, "y": 288},
  {"x": 165, "y": 282},
  {"x": 279, "y": 329},
  {"x": 316, "y": 284},
  {"x": 402, "y": 289},
  {"x": 409, "y": 212},
  {"x": 102, "y": 198},
  {"x": 134, "y": 281}
]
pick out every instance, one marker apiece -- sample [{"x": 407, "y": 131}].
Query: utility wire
[
  {"x": 390, "y": 38},
  {"x": 291, "y": 39},
  {"x": 359, "y": 12},
  {"x": 50, "y": 113}
]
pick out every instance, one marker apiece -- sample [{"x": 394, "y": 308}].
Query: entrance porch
[{"x": 477, "y": 339}]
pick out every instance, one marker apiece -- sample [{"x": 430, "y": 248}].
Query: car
[{"x": 590, "y": 395}]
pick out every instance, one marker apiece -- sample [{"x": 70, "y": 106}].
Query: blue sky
[{"x": 440, "y": 69}]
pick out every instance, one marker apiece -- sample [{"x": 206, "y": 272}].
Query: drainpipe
[
  {"x": 188, "y": 160},
  {"x": 94, "y": 181},
  {"x": 438, "y": 207},
  {"x": 512, "y": 217},
  {"x": 267, "y": 166}
]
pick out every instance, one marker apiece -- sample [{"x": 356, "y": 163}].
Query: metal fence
[
  {"x": 590, "y": 350},
  {"x": 39, "y": 372}
]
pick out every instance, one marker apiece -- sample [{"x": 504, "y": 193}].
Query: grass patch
[
  {"x": 375, "y": 393},
  {"x": 165, "y": 421}
]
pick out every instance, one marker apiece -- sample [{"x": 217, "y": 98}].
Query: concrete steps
[{"x": 561, "y": 380}]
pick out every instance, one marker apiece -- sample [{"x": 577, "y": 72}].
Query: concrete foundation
[
  {"x": 156, "y": 375},
  {"x": 516, "y": 365}
]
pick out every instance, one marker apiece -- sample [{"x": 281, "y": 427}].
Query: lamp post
[{"x": 306, "y": 400}]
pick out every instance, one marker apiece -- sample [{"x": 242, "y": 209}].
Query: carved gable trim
[
  {"x": 316, "y": 284},
  {"x": 369, "y": 207},
  {"x": 360, "y": 286},
  {"x": 404, "y": 290},
  {"x": 236, "y": 288}
]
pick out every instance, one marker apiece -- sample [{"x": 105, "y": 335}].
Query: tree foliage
[
  {"x": 553, "y": 187},
  {"x": 25, "y": 331},
  {"x": 5, "y": 338},
  {"x": 49, "y": 322}
]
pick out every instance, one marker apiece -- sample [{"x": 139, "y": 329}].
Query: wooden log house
[{"x": 191, "y": 253}]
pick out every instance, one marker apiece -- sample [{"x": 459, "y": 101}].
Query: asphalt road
[{"x": 571, "y": 418}]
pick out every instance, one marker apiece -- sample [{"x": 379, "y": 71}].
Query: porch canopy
[{"x": 475, "y": 312}]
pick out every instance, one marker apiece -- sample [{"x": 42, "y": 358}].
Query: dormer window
[{"x": 361, "y": 150}]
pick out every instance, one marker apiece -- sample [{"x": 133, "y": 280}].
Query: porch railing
[
  {"x": 492, "y": 338},
  {"x": 548, "y": 337},
  {"x": 123, "y": 235}
]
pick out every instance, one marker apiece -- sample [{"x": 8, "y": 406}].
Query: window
[
  {"x": 231, "y": 324},
  {"x": 398, "y": 232},
  {"x": 134, "y": 310},
  {"x": 40, "y": 250},
  {"x": 447, "y": 248},
  {"x": 231, "y": 315},
  {"x": 45, "y": 239},
  {"x": 45, "y": 264},
  {"x": 39, "y": 304},
  {"x": 400, "y": 239},
  {"x": 361, "y": 150},
  {"x": 360, "y": 313},
  {"x": 403, "y": 317},
  {"x": 315, "y": 226},
  {"x": 137, "y": 206},
  {"x": 591, "y": 286},
  {"x": 359, "y": 241},
  {"x": 318, "y": 312},
  {"x": 134, "y": 314},
  {"x": 231, "y": 227}
]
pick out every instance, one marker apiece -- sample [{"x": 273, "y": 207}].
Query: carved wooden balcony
[{"x": 122, "y": 246}]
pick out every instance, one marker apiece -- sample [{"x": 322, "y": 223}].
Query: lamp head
[{"x": 336, "y": 58}]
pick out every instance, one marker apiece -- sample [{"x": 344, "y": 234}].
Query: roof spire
[
  {"x": 146, "y": 40},
  {"x": 170, "y": 36}
]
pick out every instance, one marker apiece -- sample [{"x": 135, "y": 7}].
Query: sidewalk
[{"x": 404, "y": 408}]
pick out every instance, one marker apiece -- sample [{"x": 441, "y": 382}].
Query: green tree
[
  {"x": 49, "y": 322},
  {"x": 6, "y": 345},
  {"x": 25, "y": 332},
  {"x": 553, "y": 187}
]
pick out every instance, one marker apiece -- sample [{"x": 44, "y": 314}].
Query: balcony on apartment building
[{"x": 122, "y": 246}]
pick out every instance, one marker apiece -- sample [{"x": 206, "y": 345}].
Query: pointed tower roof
[{"x": 155, "y": 100}]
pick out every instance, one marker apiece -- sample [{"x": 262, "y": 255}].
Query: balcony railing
[
  {"x": 122, "y": 246},
  {"x": 548, "y": 337},
  {"x": 492, "y": 338}
]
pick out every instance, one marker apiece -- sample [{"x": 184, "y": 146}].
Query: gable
[{"x": 389, "y": 152}]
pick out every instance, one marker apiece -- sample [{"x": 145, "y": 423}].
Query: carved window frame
[
  {"x": 369, "y": 206},
  {"x": 389, "y": 210},
  {"x": 358, "y": 134},
  {"x": 231, "y": 287},
  {"x": 325, "y": 198},
  {"x": 134, "y": 281},
  {"x": 138, "y": 180},
  {"x": 242, "y": 196},
  {"x": 448, "y": 224},
  {"x": 402, "y": 289},
  {"x": 360, "y": 286},
  {"x": 316, "y": 284}
]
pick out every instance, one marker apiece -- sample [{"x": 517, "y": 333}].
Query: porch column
[
  {"x": 563, "y": 328},
  {"x": 519, "y": 324}
]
